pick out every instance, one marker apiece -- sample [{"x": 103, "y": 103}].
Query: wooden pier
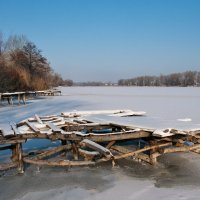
[
  {"x": 21, "y": 97},
  {"x": 84, "y": 142}
]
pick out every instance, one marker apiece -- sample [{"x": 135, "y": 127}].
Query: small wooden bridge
[{"x": 84, "y": 142}]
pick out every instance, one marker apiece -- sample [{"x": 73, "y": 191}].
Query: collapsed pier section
[{"x": 83, "y": 142}]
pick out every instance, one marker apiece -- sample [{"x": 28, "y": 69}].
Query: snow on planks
[{"x": 116, "y": 113}]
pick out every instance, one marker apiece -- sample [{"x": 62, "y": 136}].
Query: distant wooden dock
[
  {"x": 84, "y": 142},
  {"x": 22, "y": 97}
]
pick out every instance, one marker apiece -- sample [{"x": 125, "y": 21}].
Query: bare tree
[{"x": 15, "y": 42}]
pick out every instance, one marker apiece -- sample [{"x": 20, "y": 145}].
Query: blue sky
[{"x": 106, "y": 40}]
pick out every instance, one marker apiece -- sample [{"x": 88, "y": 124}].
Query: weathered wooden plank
[
  {"x": 14, "y": 128},
  {"x": 12, "y": 141},
  {"x": 6, "y": 134},
  {"x": 79, "y": 121},
  {"x": 73, "y": 136},
  {"x": 118, "y": 136},
  {"x": 54, "y": 128},
  {"x": 38, "y": 119},
  {"x": 32, "y": 127}
]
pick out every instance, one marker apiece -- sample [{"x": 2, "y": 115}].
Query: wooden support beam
[
  {"x": 153, "y": 157},
  {"x": 24, "y": 98},
  {"x": 196, "y": 150},
  {"x": 18, "y": 97},
  {"x": 124, "y": 150},
  {"x": 110, "y": 144},
  {"x": 121, "y": 149},
  {"x": 7, "y": 166},
  {"x": 73, "y": 136},
  {"x": 64, "y": 142},
  {"x": 141, "y": 150},
  {"x": 12, "y": 141},
  {"x": 119, "y": 136},
  {"x": 180, "y": 149},
  {"x": 102, "y": 150},
  {"x": 60, "y": 163},
  {"x": 144, "y": 157},
  {"x": 51, "y": 152}
]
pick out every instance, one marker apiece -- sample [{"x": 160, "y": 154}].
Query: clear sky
[{"x": 106, "y": 40}]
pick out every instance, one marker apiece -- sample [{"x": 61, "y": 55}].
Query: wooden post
[
  {"x": 11, "y": 100},
  {"x": 20, "y": 165},
  {"x": 8, "y": 99},
  {"x": 64, "y": 142},
  {"x": 18, "y": 97},
  {"x": 110, "y": 144},
  {"x": 23, "y": 98},
  {"x": 75, "y": 151},
  {"x": 14, "y": 155},
  {"x": 153, "y": 157}
]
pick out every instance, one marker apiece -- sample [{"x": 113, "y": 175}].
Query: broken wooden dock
[{"x": 84, "y": 142}]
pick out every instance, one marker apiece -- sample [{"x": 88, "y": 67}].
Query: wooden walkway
[
  {"x": 84, "y": 142},
  {"x": 21, "y": 97}
]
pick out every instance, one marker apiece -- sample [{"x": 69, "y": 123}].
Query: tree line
[
  {"x": 23, "y": 67},
  {"x": 184, "y": 79}
]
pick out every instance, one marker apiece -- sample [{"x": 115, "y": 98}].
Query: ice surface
[
  {"x": 177, "y": 176},
  {"x": 163, "y": 106}
]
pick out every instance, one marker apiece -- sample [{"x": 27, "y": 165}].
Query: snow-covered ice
[{"x": 176, "y": 177}]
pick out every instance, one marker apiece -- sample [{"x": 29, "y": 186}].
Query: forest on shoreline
[
  {"x": 184, "y": 79},
  {"x": 24, "y": 68}
]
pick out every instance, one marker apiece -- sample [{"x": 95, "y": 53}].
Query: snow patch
[{"x": 185, "y": 120}]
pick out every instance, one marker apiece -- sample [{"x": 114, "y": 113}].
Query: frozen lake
[
  {"x": 165, "y": 107},
  {"x": 176, "y": 177}
]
